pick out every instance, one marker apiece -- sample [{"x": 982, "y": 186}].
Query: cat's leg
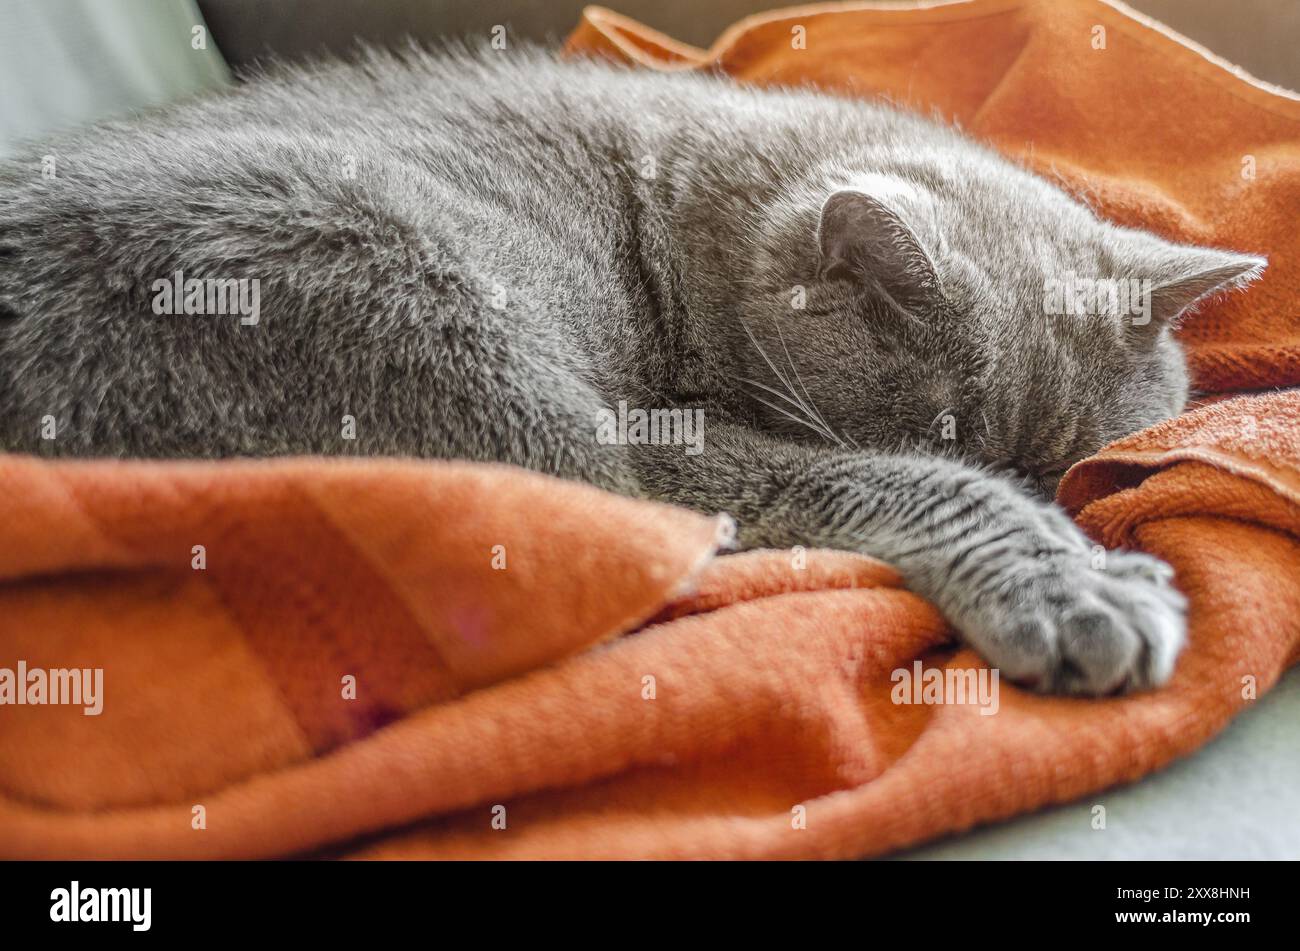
[
  {"x": 1014, "y": 575},
  {"x": 503, "y": 395}
]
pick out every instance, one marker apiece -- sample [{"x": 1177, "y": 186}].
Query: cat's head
[{"x": 987, "y": 316}]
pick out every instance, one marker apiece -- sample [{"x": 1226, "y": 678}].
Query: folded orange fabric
[
  {"x": 401, "y": 659},
  {"x": 251, "y": 617},
  {"x": 753, "y": 717}
]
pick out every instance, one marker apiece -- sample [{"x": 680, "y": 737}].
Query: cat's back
[
  {"x": 352, "y": 226},
  {"x": 374, "y": 208}
]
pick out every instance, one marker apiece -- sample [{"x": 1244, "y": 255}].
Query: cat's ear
[
  {"x": 1183, "y": 277},
  {"x": 862, "y": 238},
  {"x": 1198, "y": 273}
]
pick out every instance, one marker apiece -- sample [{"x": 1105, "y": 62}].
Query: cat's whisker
[
  {"x": 808, "y": 420},
  {"x": 987, "y": 436},
  {"x": 803, "y": 420},
  {"x": 788, "y": 415},
  {"x": 762, "y": 353},
  {"x": 938, "y": 416},
  {"x": 791, "y": 396},
  {"x": 811, "y": 407}
]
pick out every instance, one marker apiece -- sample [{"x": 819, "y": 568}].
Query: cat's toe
[
  {"x": 1157, "y": 612},
  {"x": 1087, "y": 632},
  {"x": 1125, "y": 632},
  {"x": 1027, "y": 654},
  {"x": 1133, "y": 564},
  {"x": 1097, "y": 651}
]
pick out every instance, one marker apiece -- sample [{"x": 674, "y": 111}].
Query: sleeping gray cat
[{"x": 490, "y": 256}]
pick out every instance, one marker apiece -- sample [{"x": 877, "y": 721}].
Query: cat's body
[{"x": 480, "y": 257}]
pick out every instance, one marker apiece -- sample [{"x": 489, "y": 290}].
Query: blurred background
[{"x": 64, "y": 62}]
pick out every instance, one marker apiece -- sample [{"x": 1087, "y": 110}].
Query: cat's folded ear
[
  {"x": 862, "y": 238},
  {"x": 1180, "y": 277}
]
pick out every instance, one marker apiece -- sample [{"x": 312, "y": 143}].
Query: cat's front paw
[{"x": 1063, "y": 625}]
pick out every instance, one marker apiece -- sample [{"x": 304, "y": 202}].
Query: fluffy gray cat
[{"x": 828, "y": 318}]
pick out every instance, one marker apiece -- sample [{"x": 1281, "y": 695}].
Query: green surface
[
  {"x": 67, "y": 62},
  {"x": 1238, "y": 797}
]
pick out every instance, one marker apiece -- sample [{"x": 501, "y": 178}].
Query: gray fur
[{"x": 476, "y": 254}]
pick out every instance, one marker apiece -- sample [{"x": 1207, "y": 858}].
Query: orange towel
[{"x": 398, "y": 659}]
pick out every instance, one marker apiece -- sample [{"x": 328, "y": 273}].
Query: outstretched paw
[{"x": 1067, "y": 627}]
